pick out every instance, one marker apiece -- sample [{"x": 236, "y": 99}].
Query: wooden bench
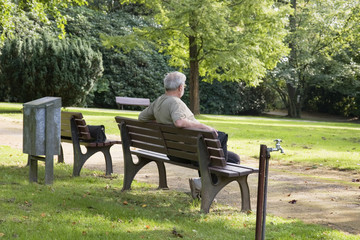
[
  {"x": 154, "y": 142},
  {"x": 121, "y": 101},
  {"x": 74, "y": 130}
]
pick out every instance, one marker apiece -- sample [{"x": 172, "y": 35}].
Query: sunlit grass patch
[{"x": 93, "y": 206}]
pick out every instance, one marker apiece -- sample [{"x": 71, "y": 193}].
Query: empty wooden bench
[
  {"x": 155, "y": 142},
  {"x": 75, "y": 130},
  {"x": 121, "y": 101}
]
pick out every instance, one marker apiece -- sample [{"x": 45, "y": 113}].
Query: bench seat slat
[{"x": 229, "y": 173}]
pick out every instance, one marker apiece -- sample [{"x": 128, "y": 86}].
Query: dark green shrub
[
  {"x": 36, "y": 67},
  {"x": 231, "y": 98}
]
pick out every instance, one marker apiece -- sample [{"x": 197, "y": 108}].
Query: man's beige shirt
[{"x": 167, "y": 110}]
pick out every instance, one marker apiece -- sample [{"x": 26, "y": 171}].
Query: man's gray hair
[{"x": 173, "y": 80}]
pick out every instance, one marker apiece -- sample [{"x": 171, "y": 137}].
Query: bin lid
[{"x": 42, "y": 102}]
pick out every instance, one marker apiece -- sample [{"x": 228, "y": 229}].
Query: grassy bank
[{"x": 93, "y": 207}]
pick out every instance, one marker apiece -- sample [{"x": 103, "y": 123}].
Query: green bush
[
  {"x": 31, "y": 68},
  {"x": 231, "y": 98}
]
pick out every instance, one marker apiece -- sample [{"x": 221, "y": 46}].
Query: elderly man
[{"x": 170, "y": 109}]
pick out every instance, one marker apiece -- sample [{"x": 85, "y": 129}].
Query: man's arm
[{"x": 185, "y": 123}]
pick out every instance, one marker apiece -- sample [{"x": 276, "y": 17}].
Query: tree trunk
[
  {"x": 294, "y": 101},
  {"x": 194, "y": 77},
  {"x": 294, "y": 106}
]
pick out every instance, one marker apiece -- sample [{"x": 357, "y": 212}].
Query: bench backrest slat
[
  {"x": 180, "y": 138},
  {"x": 144, "y": 131},
  {"x": 82, "y": 128},
  {"x": 214, "y": 143},
  {"x": 181, "y": 146},
  {"x": 148, "y": 146},
  {"x": 177, "y": 142},
  {"x": 182, "y": 154},
  {"x": 146, "y": 138}
]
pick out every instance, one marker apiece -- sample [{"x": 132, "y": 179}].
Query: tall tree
[
  {"x": 232, "y": 40},
  {"x": 320, "y": 31},
  {"x": 40, "y": 9}
]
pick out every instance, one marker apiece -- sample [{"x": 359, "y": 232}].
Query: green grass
[
  {"x": 93, "y": 207},
  {"x": 310, "y": 143}
]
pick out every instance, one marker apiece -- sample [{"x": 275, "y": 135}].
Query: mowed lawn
[
  {"x": 312, "y": 143},
  {"x": 93, "y": 207}
]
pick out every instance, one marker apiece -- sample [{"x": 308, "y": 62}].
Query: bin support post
[{"x": 33, "y": 169}]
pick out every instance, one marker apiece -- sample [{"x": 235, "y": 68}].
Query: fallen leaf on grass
[
  {"x": 43, "y": 214},
  {"x": 293, "y": 201},
  {"x": 2, "y": 234},
  {"x": 174, "y": 232}
]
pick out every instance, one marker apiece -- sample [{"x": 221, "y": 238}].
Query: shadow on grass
[{"x": 92, "y": 206}]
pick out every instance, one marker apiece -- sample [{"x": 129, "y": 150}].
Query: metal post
[
  {"x": 260, "y": 198},
  {"x": 265, "y": 194},
  {"x": 262, "y": 188}
]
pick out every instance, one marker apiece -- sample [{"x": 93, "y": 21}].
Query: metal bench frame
[
  {"x": 74, "y": 130},
  {"x": 153, "y": 142}
]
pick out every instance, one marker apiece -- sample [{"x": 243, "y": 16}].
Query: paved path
[{"x": 322, "y": 196}]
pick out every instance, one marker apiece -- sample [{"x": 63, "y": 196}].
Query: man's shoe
[{"x": 195, "y": 187}]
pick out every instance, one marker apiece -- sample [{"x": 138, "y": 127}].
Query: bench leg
[
  {"x": 209, "y": 192},
  {"x": 131, "y": 169},
  {"x": 61, "y": 156},
  {"x": 80, "y": 158},
  {"x": 245, "y": 194},
  {"x": 108, "y": 160},
  {"x": 162, "y": 176}
]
